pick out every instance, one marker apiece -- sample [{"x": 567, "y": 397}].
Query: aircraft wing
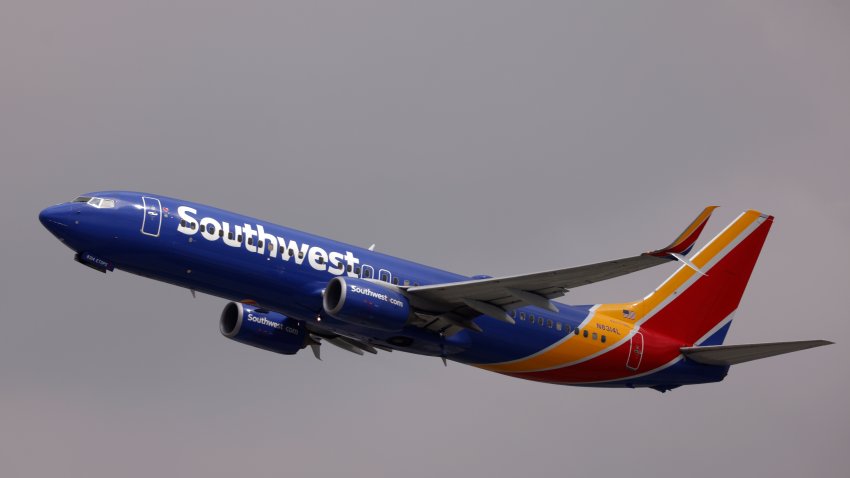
[{"x": 456, "y": 302}]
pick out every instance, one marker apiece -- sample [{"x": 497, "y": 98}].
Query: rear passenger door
[{"x": 635, "y": 351}]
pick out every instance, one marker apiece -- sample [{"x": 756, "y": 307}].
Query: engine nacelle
[
  {"x": 366, "y": 303},
  {"x": 266, "y": 330}
]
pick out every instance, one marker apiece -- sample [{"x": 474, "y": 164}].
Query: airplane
[{"x": 289, "y": 290}]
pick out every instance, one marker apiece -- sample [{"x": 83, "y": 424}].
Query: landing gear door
[
  {"x": 152, "y": 219},
  {"x": 635, "y": 351}
]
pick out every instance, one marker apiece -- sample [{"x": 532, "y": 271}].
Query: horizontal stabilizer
[{"x": 735, "y": 354}]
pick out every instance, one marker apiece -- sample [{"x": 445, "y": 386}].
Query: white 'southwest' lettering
[
  {"x": 270, "y": 323},
  {"x": 255, "y": 239},
  {"x": 335, "y": 265},
  {"x": 210, "y": 233},
  {"x": 376, "y": 295},
  {"x": 188, "y": 224}
]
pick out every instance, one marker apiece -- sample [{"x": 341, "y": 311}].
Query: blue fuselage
[{"x": 199, "y": 247}]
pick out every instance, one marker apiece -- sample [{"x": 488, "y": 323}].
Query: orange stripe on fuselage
[
  {"x": 577, "y": 349},
  {"x": 574, "y": 347}
]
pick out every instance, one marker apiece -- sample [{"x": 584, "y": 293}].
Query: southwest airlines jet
[{"x": 290, "y": 290}]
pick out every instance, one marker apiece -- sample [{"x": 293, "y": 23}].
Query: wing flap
[{"x": 735, "y": 354}]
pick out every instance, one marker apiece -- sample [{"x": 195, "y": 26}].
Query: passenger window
[
  {"x": 210, "y": 229},
  {"x": 182, "y": 223},
  {"x": 567, "y": 328},
  {"x": 349, "y": 268},
  {"x": 260, "y": 245},
  {"x": 531, "y": 318},
  {"x": 367, "y": 273},
  {"x": 522, "y": 316},
  {"x": 301, "y": 254},
  {"x": 513, "y": 314},
  {"x": 540, "y": 321},
  {"x": 415, "y": 284},
  {"x": 320, "y": 260},
  {"x": 230, "y": 235},
  {"x": 604, "y": 338},
  {"x": 250, "y": 241},
  {"x": 557, "y": 326},
  {"x": 357, "y": 270},
  {"x": 584, "y": 334},
  {"x": 406, "y": 282},
  {"x": 239, "y": 238},
  {"x": 385, "y": 278},
  {"x": 395, "y": 280},
  {"x": 280, "y": 249},
  {"x": 221, "y": 233},
  {"x": 550, "y": 323},
  {"x": 594, "y": 336}
]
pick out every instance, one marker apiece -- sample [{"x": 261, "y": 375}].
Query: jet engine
[
  {"x": 266, "y": 330},
  {"x": 366, "y": 303}
]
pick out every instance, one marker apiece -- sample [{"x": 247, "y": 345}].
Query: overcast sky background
[{"x": 485, "y": 137}]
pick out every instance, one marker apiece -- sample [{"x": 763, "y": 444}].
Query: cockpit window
[{"x": 99, "y": 203}]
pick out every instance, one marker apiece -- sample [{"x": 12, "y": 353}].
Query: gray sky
[{"x": 479, "y": 136}]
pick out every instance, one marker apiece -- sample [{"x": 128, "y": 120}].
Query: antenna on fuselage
[{"x": 372, "y": 247}]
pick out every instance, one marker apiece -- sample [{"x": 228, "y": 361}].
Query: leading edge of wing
[{"x": 554, "y": 283}]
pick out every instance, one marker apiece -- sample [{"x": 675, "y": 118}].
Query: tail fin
[{"x": 696, "y": 306}]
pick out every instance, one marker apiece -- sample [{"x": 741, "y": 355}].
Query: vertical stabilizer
[{"x": 696, "y": 306}]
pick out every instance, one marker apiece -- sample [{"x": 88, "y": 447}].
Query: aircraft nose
[{"x": 56, "y": 219}]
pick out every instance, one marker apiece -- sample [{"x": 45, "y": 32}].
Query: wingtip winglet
[{"x": 685, "y": 241}]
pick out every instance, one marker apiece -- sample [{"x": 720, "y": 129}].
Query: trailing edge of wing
[
  {"x": 735, "y": 354},
  {"x": 535, "y": 289}
]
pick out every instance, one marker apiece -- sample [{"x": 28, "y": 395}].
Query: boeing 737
[{"x": 290, "y": 290}]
